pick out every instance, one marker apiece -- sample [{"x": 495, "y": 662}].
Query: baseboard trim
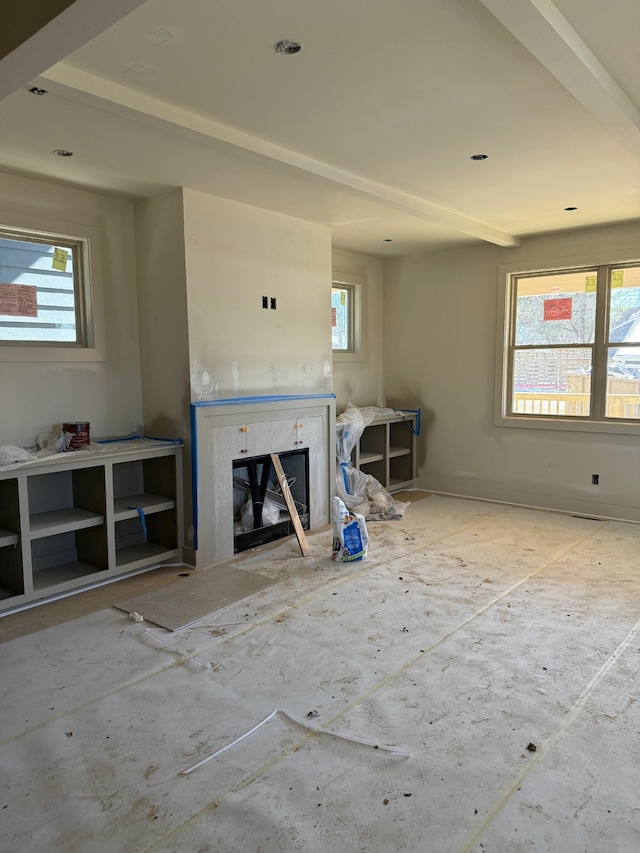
[{"x": 572, "y": 513}]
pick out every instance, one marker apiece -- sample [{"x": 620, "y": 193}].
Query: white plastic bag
[
  {"x": 270, "y": 514},
  {"x": 350, "y": 537},
  {"x": 54, "y": 440}
]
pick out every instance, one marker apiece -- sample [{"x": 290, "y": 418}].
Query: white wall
[
  {"x": 235, "y": 255},
  {"x": 162, "y": 296},
  {"x": 357, "y": 378},
  {"x": 204, "y": 264},
  {"x": 164, "y": 333},
  {"x": 37, "y": 395},
  {"x": 440, "y": 351}
]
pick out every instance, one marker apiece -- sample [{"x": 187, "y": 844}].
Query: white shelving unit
[
  {"x": 82, "y": 518},
  {"x": 387, "y": 451}
]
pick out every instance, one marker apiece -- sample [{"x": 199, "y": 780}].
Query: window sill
[
  {"x": 564, "y": 424},
  {"x": 347, "y": 356},
  {"x": 55, "y": 354}
]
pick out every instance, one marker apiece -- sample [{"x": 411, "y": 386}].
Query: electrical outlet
[
  {"x": 265, "y": 302},
  {"x": 273, "y": 303},
  {"x": 595, "y": 479}
]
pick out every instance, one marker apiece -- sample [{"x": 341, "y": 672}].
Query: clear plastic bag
[
  {"x": 270, "y": 514},
  {"x": 349, "y": 428},
  {"x": 361, "y": 493}
]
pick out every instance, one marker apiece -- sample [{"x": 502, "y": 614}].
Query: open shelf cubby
[
  {"x": 66, "y": 557},
  {"x": 137, "y": 543},
  {"x": 11, "y": 567},
  {"x": 144, "y": 492}
]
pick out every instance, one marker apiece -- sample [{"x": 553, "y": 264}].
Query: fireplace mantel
[{"x": 226, "y": 430}]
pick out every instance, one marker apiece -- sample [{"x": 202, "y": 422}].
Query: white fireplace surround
[{"x": 225, "y": 430}]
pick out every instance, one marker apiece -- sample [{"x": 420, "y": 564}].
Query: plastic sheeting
[
  {"x": 361, "y": 492},
  {"x": 450, "y": 646},
  {"x": 12, "y": 455},
  {"x": 17, "y": 457}
]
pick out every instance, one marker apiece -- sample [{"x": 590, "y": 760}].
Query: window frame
[
  {"x": 90, "y": 332},
  {"x": 354, "y": 284},
  {"x": 597, "y": 420}
]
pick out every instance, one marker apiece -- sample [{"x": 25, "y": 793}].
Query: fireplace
[
  {"x": 260, "y": 512},
  {"x": 228, "y": 437}
]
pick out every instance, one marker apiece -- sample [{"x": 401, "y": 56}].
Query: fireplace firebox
[{"x": 260, "y": 512}]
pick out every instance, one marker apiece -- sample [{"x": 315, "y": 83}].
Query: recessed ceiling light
[
  {"x": 479, "y": 157},
  {"x": 571, "y": 208},
  {"x": 36, "y": 90},
  {"x": 287, "y": 47},
  {"x": 62, "y": 152}
]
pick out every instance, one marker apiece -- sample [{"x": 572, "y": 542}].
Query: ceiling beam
[
  {"x": 36, "y": 35},
  {"x": 549, "y": 36},
  {"x": 98, "y": 92}
]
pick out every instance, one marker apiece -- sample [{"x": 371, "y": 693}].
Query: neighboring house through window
[
  {"x": 347, "y": 295},
  {"x": 44, "y": 290},
  {"x": 342, "y": 317},
  {"x": 571, "y": 347}
]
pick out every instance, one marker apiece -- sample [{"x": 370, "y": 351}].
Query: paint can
[{"x": 76, "y": 435}]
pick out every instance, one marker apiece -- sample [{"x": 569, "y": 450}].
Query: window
[
  {"x": 44, "y": 295},
  {"x": 343, "y": 317},
  {"x": 573, "y": 346}
]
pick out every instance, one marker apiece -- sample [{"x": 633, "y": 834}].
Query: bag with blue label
[{"x": 350, "y": 537}]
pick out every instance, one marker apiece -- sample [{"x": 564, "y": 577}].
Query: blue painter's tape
[
  {"x": 143, "y": 520},
  {"x": 139, "y": 438},
  {"x": 194, "y": 475},
  {"x": 344, "y": 466},
  {"x": 276, "y": 398},
  {"x": 114, "y": 440},
  {"x": 417, "y": 412}
]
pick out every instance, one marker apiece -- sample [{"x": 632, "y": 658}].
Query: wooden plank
[{"x": 293, "y": 512}]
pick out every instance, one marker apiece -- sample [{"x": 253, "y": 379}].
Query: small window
[
  {"x": 574, "y": 345},
  {"x": 44, "y": 299},
  {"x": 342, "y": 318}
]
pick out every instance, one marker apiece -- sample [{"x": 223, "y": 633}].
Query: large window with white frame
[
  {"x": 44, "y": 290},
  {"x": 572, "y": 347}
]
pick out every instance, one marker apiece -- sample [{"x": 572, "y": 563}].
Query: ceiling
[{"x": 369, "y": 129}]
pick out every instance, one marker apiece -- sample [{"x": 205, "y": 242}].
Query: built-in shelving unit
[
  {"x": 387, "y": 451},
  {"x": 79, "y": 518}
]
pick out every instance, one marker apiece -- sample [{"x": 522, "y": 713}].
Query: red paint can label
[{"x": 76, "y": 435}]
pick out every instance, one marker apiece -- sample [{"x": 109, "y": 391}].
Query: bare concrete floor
[{"x": 499, "y": 646}]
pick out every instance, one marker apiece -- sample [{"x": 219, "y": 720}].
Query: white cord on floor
[
  {"x": 191, "y": 658},
  {"x": 394, "y": 750}
]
